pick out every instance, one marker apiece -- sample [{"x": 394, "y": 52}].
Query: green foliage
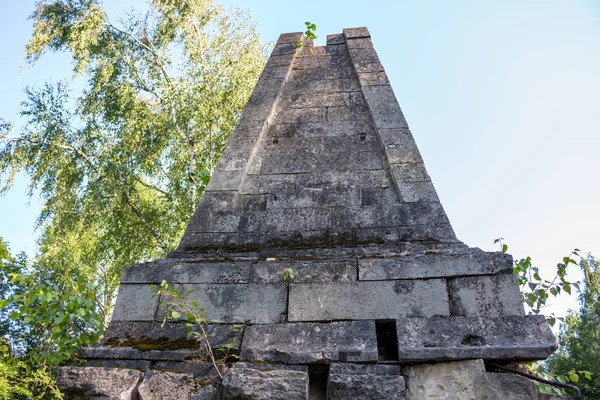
[
  {"x": 308, "y": 34},
  {"x": 18, "y": 381},
  {"x": 287, "y": 275},
  {"x": 579, "y": 337},
  {"x": 179, "y": 308},
  {"x": 534, "y": 289},
  {"x": 121, "y": 165},
  {"x": 20, "y": 376}
]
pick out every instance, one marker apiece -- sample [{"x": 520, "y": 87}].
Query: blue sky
[{"x": 501, "y": 96}]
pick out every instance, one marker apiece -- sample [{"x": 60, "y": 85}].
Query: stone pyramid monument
[{"x": 320, "y": 232}]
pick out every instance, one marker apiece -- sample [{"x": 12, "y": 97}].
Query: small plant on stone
[
  {"x": 535, "y": 291},
  {"x": 308, "y": 34},
  {"x": 288, "y": 275},
  {"x": 178, "y": 308}
]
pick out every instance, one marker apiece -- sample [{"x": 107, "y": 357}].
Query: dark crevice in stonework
[
  {"x": 317, "y": 381},
  {"x": 387, "y": 340}
]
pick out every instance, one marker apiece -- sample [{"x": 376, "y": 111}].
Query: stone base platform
[{"x": 461, "y": 380}]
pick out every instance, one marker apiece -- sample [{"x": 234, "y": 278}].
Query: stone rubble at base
[{"x": 321, "y": 176}]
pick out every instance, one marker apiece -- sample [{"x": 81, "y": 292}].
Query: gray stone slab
[
  {"x": 464, "y": 380},
  {"x": 182, "y": 272},
  {"x": 220, "y": 201},
  {"x": 325, "y": 85},
  {"x": 337, "y": 38},
  {"x": 360, "y": 43},
  {"x": 419, "y": 191},
  {"x": 356, "y": 112},
  {"x": 225, "y": 180},
  {"x": 135, "y": 303},
  {"x": 305, "y": 343},
  {"x": 328, "y": 146},
  {"x": 314, "y": 130},
  {"x": 128, "y": 353},
  {"x": 173, "y": 386},
  {"x": 297, "y": 197},
  {"x": 305, "y": 271},
  {"x": 373, "y": 78},
  {"x": 254, "y": 202},
  {"x": 434, "y": 264},
  {"x": 400, "y": 146},
  {"x": 98, "y": 383},
  {"x": 308, "y": 163},
  {"x": 460, "y": 338},
  {"x": 156, "y": 336},
  {"x": 284, "y": 48},
  {"x": 301, "y": 115},
  {"x": 323, "y": 61},
  {"x": 365, "y": 382},
  {"x": 236, "y": 157},
  {"x": 140, "y": 365},
  {"x": 368, "y": 300},
  {"x": 353, "y": 33},
  {"x": 269, "y": 85},
  {"x": 324, "y": 99},
  {"x": 275, "y": 72},
  {"x": 411, "y": 172},
  {"x": 265, "y": 384},
  {"x": 291, "y": 37},
  {"x": 340, "y": 71},
  {"x": 233, "y": 303},
  {"x": 486, "y": 296},
  {"x": 198, "y": 369},
  {"x": 373, "y": 196}
]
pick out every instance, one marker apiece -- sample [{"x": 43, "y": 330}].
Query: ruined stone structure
[{"x": 322, "y": 179}]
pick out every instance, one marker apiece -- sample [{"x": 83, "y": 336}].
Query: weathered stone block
[
  {"x": 140, "y": 365},
  {"x": 205, "y": 369},
  {"x": 279, "y": 61},
  {"x": 365, "y": 382},
  {"x": 102, "y": 383},
  {"x": 225, "y": 180},
  {"x": 400, "y": 146},
  {"x": 353, "y": 33},
  {"x": 236, "y": 158},
  {"x": 313, "y": 130},
  {"x": 233, "y": 303},
  {"x": 128, "y": 353},
  {"x": 434, "y": 264},
  {"x": 412, "y": 192},
  {"x": 464, "y": 380},
  {"x": 325, "y": 85},
  {"x": 135, "y": 303},
  {"x": 305, "y": 271},
  {"x": 378, "y": 196},
  {"x": 170, "y": 336},
  {"x": 291, "y": 37},
  {"x": 368, "y": 300},
  {"x": 305, "y": 343},
  {"x": 178, "y": 272},
  {"x": 412, "y": 172},
  {"x": 337, "y": 38},
  {"x": 314, "y": 197},
  {"x": 270, "y": 383},
  {"x": 459, "y": 338},
  {"x": 173, "y": 386},
  {"x": 486, "y": 296},
  {"x": 373, "y": 78}
]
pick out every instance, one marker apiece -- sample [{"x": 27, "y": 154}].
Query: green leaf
[{"x": 175, "y": 314}]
